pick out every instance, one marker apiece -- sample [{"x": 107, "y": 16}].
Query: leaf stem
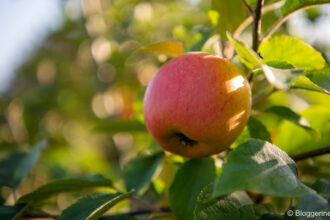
[{"x": 310, "y": 154}]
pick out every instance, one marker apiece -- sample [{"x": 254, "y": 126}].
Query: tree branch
[
  {"x": 256, "y": 25},
  {"x": 131, "y": 213},
  {"x": 248, "y": 21},
  {"x": 311, "y": 154},
  {"x": 247, "y": 6},
  {"x": 256, "y": 28}
]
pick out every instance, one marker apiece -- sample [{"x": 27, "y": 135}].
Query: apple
[{"x": 197, "y": 104}]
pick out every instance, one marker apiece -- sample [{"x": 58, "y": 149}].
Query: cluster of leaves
[
  {"x": 254, "y": 165},
  {"x": 201, "y": 189}
]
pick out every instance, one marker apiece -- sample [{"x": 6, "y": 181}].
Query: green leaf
[
  {"x": 313, "y": 203},
  {"x": 291, "y": 50},
  {"x": 281, "y": 78},
  {"x": 280, "y": 64},
  {"x": 302, "y": 82},
  {"x": 272, "y": 216},
  {"x": 63, "y": 185},
  {"x": 322, "y": 186},
  {"x": 253, "y": 129},
  {"x": 320, "y": 78},
  {"x": 231, "y": 15},
  {"x": 27, "y": 162},
  {"x": 226, "y": 207},
  {"x": 294, "y": 5},
  {"x": 92, "y": 206},
  {"x": 288, "y": 114},
  {"x": 283, "y": 74},
  {"x": 237, "y": 205},
  {"x": 258, "y": 165},
  {"x": 105, "y": 207},
  {"x": 121, "y": 126},
  {"x": 318, "y": 118},
  {"x": 8, "y": 166},
  {"x": 139, "y": 172},
  {"x": 17, "y": 165},
  {"x": 257, "y": 129},
  {"x": 171, "y": 48},
  {"x": 256, "y": 211},
  {"x": 245, "y": 53},
  {"x": 189, "y": 180}
]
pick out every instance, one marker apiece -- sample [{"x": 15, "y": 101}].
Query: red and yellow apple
[{"x": 197, "y": 104}]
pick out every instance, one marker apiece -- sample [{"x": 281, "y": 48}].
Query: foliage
[{"x": 82, "y": 91}]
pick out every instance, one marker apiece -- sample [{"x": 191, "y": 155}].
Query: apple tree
[{"x": 91, "y": 116}]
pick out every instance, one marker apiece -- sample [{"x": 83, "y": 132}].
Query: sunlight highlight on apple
[
  {"x": 234, "y": 83},
  {"x": 235, "y": 120}
]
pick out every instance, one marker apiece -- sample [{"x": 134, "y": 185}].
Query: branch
[
  {"x": 248, "y": 21},
  {"x": 311, "y": 154},
  {"x": 131, "y": 213},
  {"x": 256, "y": 28},
  {"x": 256, "y": 25},
  {"x": 247, "y": 6},
  {"x": 279, "y": 22}
]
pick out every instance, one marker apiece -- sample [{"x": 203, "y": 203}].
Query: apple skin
[{"x": 197, "y": 105}]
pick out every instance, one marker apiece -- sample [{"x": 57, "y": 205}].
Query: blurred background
[{"x": 70, "y": 73}]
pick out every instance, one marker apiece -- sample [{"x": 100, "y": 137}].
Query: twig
[
  {"x": 256, "y": 27},
  {"x": 275, "y": 27},
  {"x": 248, "y": 21},
  {"x": 311, "y": 154},
  {"x": 279, "y": 22},
  {"x": 131, "y": 213},
  {"x": 247, "y": 6},
  {"x": 141, "y": 212}
]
